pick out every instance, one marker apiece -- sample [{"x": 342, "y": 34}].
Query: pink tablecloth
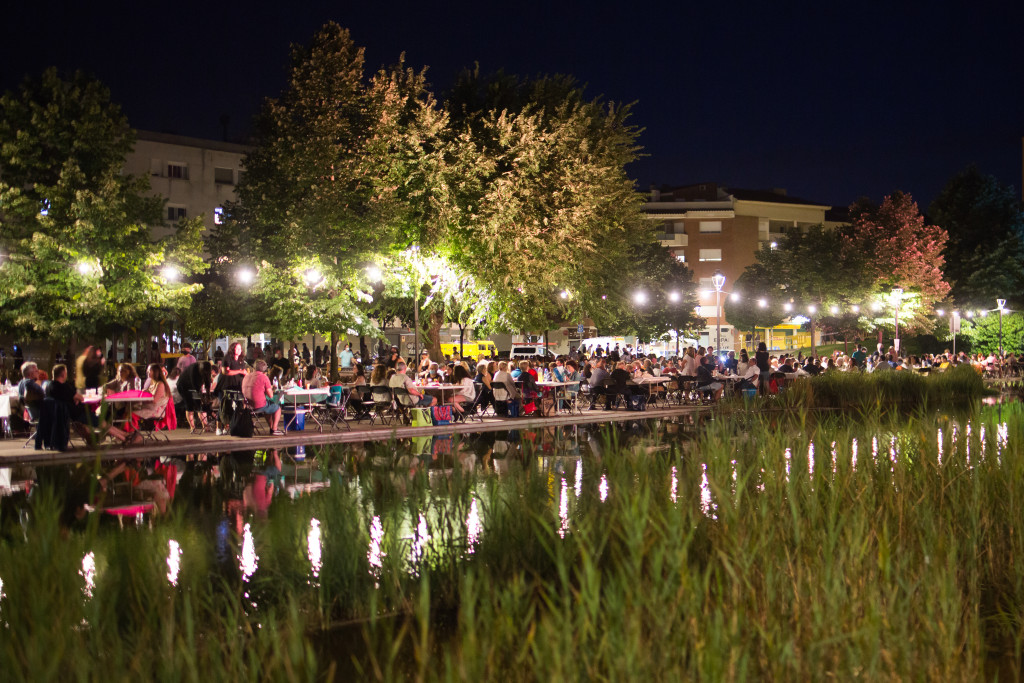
[{"x": 168, "y": 421}]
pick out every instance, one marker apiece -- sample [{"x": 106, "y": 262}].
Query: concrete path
[{"x": 182, "y": 443}]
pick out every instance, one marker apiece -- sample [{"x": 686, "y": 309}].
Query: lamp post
[
  {"x": 1000, "y": 303},
  {"x": 897, "y": 292},
  {"x": 674, "y": 298},
  {"x": 718, "y": 280}
]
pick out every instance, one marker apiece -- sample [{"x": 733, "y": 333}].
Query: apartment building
[
  {"x": 711, "y": 227},
  {"x": 195, "y": 176}
]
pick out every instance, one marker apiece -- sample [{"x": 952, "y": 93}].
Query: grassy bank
[
  {"x": 759, "y": 551},
  {"x": 883, "y": 390}
]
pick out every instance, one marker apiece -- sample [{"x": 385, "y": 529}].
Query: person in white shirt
[
  {"x": 467, "y": 390},
  {"x": 750, "y": 378}
]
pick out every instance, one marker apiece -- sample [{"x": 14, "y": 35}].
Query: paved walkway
[{"x": 183, "y": 443}]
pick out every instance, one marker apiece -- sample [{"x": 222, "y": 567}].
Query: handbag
[
  {"x": 241, "y": 423},
  {"x": 420, "y": 417},
  {"x": 513, "y": 408},
  {"x": 442, "y": 415}
]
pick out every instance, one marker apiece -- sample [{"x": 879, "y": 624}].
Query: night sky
[{"x": 829, "y": 100}]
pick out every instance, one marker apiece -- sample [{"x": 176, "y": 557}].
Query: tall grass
[
  {"x": 880, "y": 390},
  {"x": 759, "y": 550}
]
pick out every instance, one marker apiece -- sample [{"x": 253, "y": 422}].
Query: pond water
[{"x": 350, "y": 528}]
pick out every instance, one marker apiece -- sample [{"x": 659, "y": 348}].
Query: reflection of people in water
[
  {"x": 259, "y": 493},
  {"x": 144, "y": 477}
]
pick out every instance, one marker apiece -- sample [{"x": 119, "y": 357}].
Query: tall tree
[
  {"x": 338, "y": 177},
  {"x": 74, "y": 230},
  {"x": 537, "y": 199},
  {"x": 985, "y": 252},
  {"x": 902, "y": 251}
]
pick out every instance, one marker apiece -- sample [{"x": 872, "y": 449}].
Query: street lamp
[
  {"x": 897, "y": 292},
  {"x": 718, "y": 280},
  {"x": 1000, "y": 303},
  {"x": 245, "y": 276}
]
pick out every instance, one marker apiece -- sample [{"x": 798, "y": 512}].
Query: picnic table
[{"x": 298, "y": 398}]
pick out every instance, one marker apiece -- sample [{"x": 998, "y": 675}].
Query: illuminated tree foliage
[
  {"x": 983, "y": 332},
  {"x": 900, "y": 251},
  {"x": 77, "y": 254},
  {"x": 537, "y": 200}
]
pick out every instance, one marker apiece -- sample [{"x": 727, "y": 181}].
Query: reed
[{"x": 878, "y": 549}]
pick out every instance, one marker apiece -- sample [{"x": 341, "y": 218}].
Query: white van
[{"x": 526, "y": 351}]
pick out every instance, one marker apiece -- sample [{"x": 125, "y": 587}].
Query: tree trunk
[
  {"x": 334, "y": 356},
  {"x": 462, "y": 334},
  {"x": 435, "y": 321}
]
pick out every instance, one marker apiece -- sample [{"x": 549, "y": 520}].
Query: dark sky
[{"x": 829, "y": 100}]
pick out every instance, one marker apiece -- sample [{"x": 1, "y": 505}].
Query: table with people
[{"x": 94, "y": 399}]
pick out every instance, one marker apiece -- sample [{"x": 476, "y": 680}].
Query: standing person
[
  {"x": 345, "y": 357},
  {"x": 256, "y": 388},
  {"x": 233, "y": 368},
  {"x": 318, "y": 356},
  {"x": 305, "y": 352},
  {"x": 393, "y": 358},
  {"x": 218, "y": 355},
  {"x": 764, "y": 364},
  {"x": 186, "y": 359}
]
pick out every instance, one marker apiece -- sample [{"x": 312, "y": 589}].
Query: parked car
[{"x": 521, "y": 351}]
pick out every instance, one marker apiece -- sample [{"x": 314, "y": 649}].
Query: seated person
[
  {"x": 467, "y": 391},
  {"x": 156, "y": 384},
  {"x": 750, "y": 378},
  {"x": 706, "y": 382},
  {"x": 402, "y": 381},
  {"x": 256, "y": 389},
  {"x": 313, "y": 378},
  {"x": 62, "y": 392},
  {"x": 126, "y": 379},
  {"x": 433, "y": 374},
  {"x": 29, "y": 391},
  {"x": 618, "y": 383}
]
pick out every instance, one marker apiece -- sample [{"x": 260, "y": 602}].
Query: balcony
[{"x": 673, "y": 240}]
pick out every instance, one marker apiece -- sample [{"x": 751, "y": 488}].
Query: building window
[
  {"x": 175, "y": 213},
  {"x": 224, "y": 176},
  {"x": 710, "y": 254},
  {"x": 707, "y": 311},
  {"x": 711, "y": 226},
  {"x": 681, "y": 256},
  {"x": 177, "y": 171},
  {"x": 218, "y": 215},
  {"x": 706, "y": 284}
]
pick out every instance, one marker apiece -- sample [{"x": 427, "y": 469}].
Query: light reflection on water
[
  {"x": 173, "y": 561},
  {"x": 416, "y": 533},
  {"x": 88, "y": 573},
  {"x": 563, "y": 510},
  {"x": 248, "y": 560},
  {"x": 474, "y": 525},
  {"x": 375, "y": 555},
  {"x": 314, "y": 547},
  {"x": 707, "y": 505}
]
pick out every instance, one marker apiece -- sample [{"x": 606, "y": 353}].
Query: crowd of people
[{"x": 197, "y": 388}]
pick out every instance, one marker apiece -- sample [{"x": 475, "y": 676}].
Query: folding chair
[
  {"x": 403, "y": 403},
  {"x": 471, "y": 409},
  {"x": 334, "y": 409},
  {"x": 207, "y": 420},
  {"x": 383, "y": 405},
  {"x": 257, "y": 427}
]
